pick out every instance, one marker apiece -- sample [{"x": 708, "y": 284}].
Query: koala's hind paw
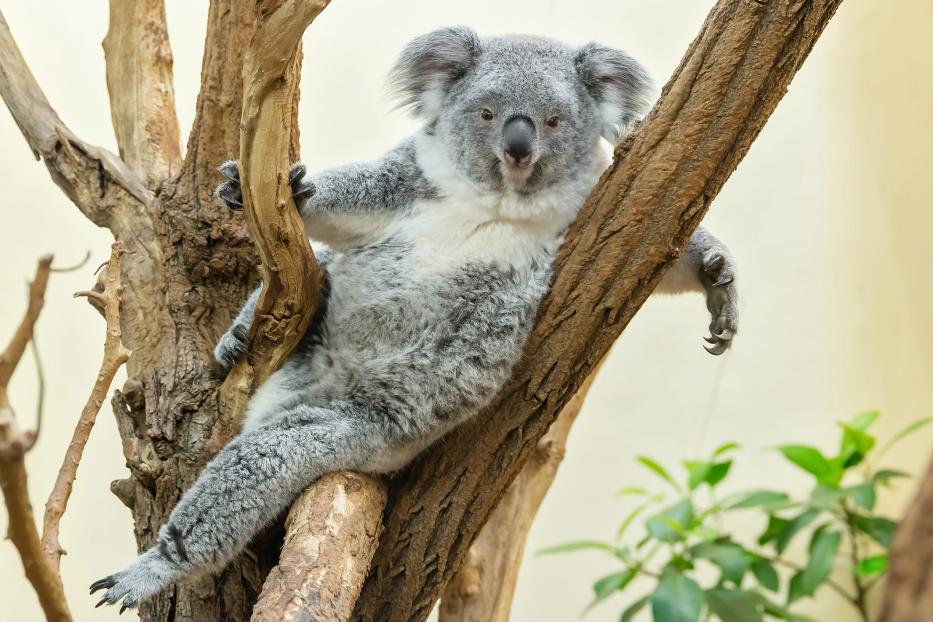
[
  {"x": 230, "y": 191},
  {"x": 231, "y": 347},
  {"x": 718, "y": 277},
  {"x": 146, "y": 576},
  {"x": 302, "y": 187}
]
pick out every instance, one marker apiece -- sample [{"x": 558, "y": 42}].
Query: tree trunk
[{"x": 908, "y": 594}]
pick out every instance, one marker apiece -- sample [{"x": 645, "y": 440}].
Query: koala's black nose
[{"x": 518, "y": 137}]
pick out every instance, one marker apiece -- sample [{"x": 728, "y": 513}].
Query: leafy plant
[{"x": 686, "y": 535}]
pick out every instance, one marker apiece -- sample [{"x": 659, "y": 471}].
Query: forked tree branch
[
  {"x": 115, "y": 355},
  {"x": 97, "y": 181},
  {"x": 14, "y": 443},
  {"x": 633, "y": 226},
  {"x": 142, "y": 96}
]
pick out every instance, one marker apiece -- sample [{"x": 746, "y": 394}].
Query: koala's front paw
[
  {"x": 302, "y": 186},
  {"x": 230, "y": 191},
  {"x": 231, "y": 346},
  {"x": 149, "y": 574},
  {"x": 718, "y": 277}
]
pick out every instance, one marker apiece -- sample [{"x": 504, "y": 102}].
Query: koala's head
[{"x": 516, "y": 112}]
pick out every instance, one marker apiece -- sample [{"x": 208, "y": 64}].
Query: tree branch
[
  {"x": 142, "y": 97},
  {"x": 483, "y": 588},
  {"x": 97, "y": 181},
  {"x": 115, "y": 355},
  {"x": 14, "y": 443},
  {"x": 633, "y": 226},
  {"x": 332, "y": 532}
]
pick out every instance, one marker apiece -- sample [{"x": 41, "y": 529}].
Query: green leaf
[
  {"x": 871, "y": 566},
  {"x": 864, "y": 495},
  {"x": 724, "y": 448},
  {"x": 880, "y": 529},
  {"x": 823, "y": 497},
  {"x": 793, "y": 527},
  {"x": 580, "y": 545},
  {"x": 884, "y": 476},
  {"x": 863, "y": 421},
  {"x": 823, "y": 550},
  {"x": 706, "y": 472},
  {"x": 634, "y": 608},
  {"x": 758, "y": 498},
  {"x": 734, "y": 605},
  {"x": 632, "y": 491},
  {"x": 611, "y": 584},
  {"x": 659, "y": 470},
  {"x": 731, "y": 559},
  {"x": 631, "y": 517},
  {"x": 766, "y": 575},
  {"x": 910, "y": 429},
  {"x": 676, "y": 599},
  {"x": 855, "y": 445},
  {"x": 776, "y": 526},
  {"x": 670, "y": 524},
  {"x": 807, "y": 458}
]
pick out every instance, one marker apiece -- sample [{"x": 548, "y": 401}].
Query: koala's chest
[{"x": 445, "y": 235}]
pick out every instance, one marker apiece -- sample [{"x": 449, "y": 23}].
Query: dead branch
[
  {"x": 14, "y": 443},
  {"x": 115, "y": 355},
  {"x": 97, "y": 181},
  {"x": 632, "y": 227},
  {"x": 142, "y": 97},
  {"x": 482, "y": 590},
  {"x": 332, "y": 532}
]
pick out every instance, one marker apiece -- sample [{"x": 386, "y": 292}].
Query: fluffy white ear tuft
[
  {"x": 429, "y": 65},
  {"x": 619, "y": 84}
]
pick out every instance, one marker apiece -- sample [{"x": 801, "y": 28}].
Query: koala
[{"x": 437, "y": 255}]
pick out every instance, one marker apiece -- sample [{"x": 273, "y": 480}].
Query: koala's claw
[
  {"x": 231, "y": 346},
  {"x": 230, "y": 191},
  {"x": 718, "y": 277},
  {"x": 301, "y": 186}
]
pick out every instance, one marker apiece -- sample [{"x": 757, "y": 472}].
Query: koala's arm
[
  {"x": 349, "y": 205},
  {"x": 706, "y": 265}
]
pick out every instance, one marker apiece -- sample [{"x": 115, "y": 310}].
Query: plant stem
[{"x": 860, "y": 589}]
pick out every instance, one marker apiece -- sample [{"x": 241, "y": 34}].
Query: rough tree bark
[
  {"x": 908, "y": 593},
  {"x": 190, "y": 264}
]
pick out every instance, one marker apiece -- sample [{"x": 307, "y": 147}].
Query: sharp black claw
[
  {"x": 724, "y": 280},
  {"x": 231, "y": 201},
  {"x": 710, "y": 340},
  {"x": 102, "y": 602},
  {"x": 102, "y": 583},
  {"x": 230, "y": 170},
  {"x": 717, "y": 349},
  {"x": 297, "y": 172},
  {"x": 124, "y": 607}
]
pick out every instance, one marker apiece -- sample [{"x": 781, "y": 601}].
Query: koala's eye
[
  {"x": 552, "y": 121},
  {"x": 487, "y": 114}
]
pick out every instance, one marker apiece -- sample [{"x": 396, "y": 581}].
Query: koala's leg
[
  {"x": 250, "y": 482},
  {"x": 706, "y": 265}
]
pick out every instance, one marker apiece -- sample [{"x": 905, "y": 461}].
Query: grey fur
[{"x": 439, "y": 255}]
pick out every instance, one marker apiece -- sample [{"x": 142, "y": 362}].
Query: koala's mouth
[{"x": 522, "y": 178}]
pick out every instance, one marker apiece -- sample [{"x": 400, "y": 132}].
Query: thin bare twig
[
  {"x": 14, "y": 443},
  {"x": 115, "y": 354}
]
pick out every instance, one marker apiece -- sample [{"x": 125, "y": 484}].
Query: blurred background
[{"x": 828, "y": 216}]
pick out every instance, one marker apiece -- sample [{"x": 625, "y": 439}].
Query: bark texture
[
  {"x": 482, "y": 590},
  {"x": 634, "y": 224},
  {"x": 331, "y": 535},
  {"x": 908, "y": 593}
]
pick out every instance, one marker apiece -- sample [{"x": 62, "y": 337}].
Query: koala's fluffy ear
[
  {"x": 428, "y": 67},
  {"x": 620, "y": 85}
]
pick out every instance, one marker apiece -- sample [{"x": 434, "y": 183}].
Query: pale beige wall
[{"x": 825, "y": 216}]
